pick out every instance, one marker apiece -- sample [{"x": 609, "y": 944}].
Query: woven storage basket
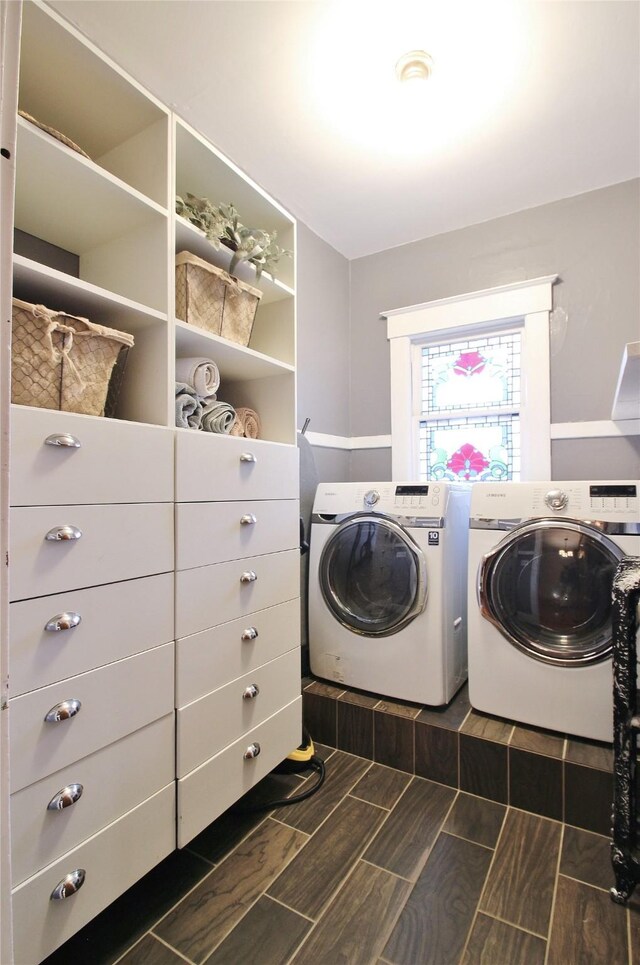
[
  {"x": 59, "y": 361},
  {"x": 210, "y": 298}
]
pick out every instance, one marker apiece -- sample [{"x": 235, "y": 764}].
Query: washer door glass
[
  {"x": 548, "y": 586},
  {"x": 373, "y": 575}
]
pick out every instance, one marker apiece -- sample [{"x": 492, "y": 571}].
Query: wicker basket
[
  {"x": 210, "y": 298},
  {"x": 59, "y": 361}
]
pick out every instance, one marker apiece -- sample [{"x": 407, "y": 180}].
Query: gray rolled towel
[
  {"x": 217, "y": 416},
  {"x": 188, "y": 407}
]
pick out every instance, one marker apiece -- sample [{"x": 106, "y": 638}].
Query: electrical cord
[{"x": 317, "y": 764}]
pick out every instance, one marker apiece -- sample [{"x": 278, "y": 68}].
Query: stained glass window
[{"x": 469, "y": 428}]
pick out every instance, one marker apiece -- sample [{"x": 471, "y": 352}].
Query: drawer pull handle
[
  {"x": 248, "y": 577},
  {"x": 250, "y": 692},
  {"x": 249, "y": 634},
  {"x": 69, "y": 885},
  {"x": 248, "y": 520},
  {"x": 247, "y": 457},
  {"x": 63, "y": 621},
  {"x": 66, "y": 797},
  {"x": 59, "y": 533},
  {"x": 63, "y": 439},
  {"x": 64, "y": 710},
  {"x": 252, "y": 751}
]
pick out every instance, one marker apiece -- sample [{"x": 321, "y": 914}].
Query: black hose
[{"x": 317, "y": 764}]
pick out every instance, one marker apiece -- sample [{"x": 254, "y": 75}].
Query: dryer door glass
[
  {"x": 548, "y": 589},
  {"x": 373, "y": 576}
]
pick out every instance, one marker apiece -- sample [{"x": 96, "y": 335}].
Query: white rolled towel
[{"x": 201, "y": 373}]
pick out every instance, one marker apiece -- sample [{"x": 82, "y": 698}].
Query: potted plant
[{"x": 222, "y": 227}]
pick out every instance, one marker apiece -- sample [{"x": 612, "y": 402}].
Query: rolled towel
[
  {"x": 250, "y": 421},
  {"x": 188, "y": 407},
  {"x": 217, "y": 417},
  {"x": 237, "y": 429},
  {"x": 202, "y": 374}
]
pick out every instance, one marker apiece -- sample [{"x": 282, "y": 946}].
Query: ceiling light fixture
[{"x": 414, "y": 65}]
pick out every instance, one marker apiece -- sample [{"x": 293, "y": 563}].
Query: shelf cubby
[{"x": 67, "y": 84}]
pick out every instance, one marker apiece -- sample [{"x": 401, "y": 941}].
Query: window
[
  {"x": 469, "y": 424},
  {"x": 470, "y": 385}
]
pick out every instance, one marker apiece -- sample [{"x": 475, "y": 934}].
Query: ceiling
[{"x": 529, "y": 102}]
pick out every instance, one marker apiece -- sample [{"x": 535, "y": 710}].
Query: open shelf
[
  {"x": 68, "y": 200},
  {"x": 236, "y": 362},
  {"x": 38, "y": 283},
  {"x": 67, "y": 84},
  {"x": 201, "y": 170},
  {"x": 190, "y": 238}
]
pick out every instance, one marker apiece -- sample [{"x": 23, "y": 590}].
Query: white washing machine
[
  {"x": 542, "y": 557},
  {"x": 387, "y": 588}
]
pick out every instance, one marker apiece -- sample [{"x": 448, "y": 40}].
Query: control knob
[
  {"x": 556, "y": 499},
  {"x": 372, "y": 497}
]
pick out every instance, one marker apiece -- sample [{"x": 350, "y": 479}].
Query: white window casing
[{"x": 524, "y": 305}]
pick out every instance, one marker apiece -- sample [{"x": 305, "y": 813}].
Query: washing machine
[
  {"x": 387, "y": 588},
  {"x": 542, "y": 558}
]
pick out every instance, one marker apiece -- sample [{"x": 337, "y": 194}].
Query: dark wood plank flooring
[{"x": 378, "y": 867}]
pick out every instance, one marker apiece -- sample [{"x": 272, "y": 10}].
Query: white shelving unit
[{"x": 99, "y": 235}]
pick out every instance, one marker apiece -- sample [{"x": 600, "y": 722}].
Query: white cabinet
[{"x": 126, "y": 532}]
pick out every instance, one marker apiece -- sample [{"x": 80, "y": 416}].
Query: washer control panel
[
  {"x": 582, "y": 500},
  {"x": 417, "y": 497}
]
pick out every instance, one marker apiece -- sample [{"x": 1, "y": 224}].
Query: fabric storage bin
[
  {"x": 210, "y": 298},
  {"x": 60, "y": 361}
]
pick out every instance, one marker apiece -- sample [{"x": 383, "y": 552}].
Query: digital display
[
  {"x": 412, "y": 490},
  {"x": 605, "y": 491}
]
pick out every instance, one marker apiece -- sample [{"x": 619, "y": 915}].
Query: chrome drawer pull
[
  {"x": 66, "y": 797},
  {"x": 247, "y": 457},
  {"x": 250, "y": 692},
  {"x": 63, "y": 621},
  {"x": 249, "y": 634},
  {"x": 248, "y": 577},
  {"x": 69, "y": 885},
  {"x": 59, "y": 533},
  {"x": 252, "y": 751},
  {"x": 63, "y": 439},
  {"x": 248, "y": 520},
  {"x": 64, "y": 710}
]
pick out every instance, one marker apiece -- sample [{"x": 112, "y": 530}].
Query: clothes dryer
[
  {"x": 387, "y": 588},
  {"x": 542, "y": 557}
]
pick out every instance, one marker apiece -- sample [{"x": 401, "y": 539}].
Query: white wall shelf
[
  {"x": 235, "y": 362},
  {"x": 626, "y": 401},
  {"x": 43, "y": 285}
]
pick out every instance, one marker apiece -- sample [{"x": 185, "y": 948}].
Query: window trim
[{"x": 526, "y": 305}]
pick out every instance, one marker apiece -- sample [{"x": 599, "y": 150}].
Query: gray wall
[
  {"x": 591, "y": 241},
  {"x": 323, "y": 348}
]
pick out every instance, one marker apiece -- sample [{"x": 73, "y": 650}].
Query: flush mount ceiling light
[{"x": 414, "y": 65}]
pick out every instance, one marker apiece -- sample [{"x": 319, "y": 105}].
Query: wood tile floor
[{"x": 378, "y": 867}]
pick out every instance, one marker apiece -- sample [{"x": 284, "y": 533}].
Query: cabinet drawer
[
  {"x": 208, "y": 725},
  {"x": 113, "y": 860},
  {"x": 211, "y": 658},
  {"x": 117, "y": 543},
  {"x": 217, "y": 532},
  {"x": 212, "y": 467},
  {"x": 115, "y": 701},
  {"x": 112, "y": 781},
  {"x": 116, "y": 462},
  {"x": 214, "y": 786},
  {"x": 116, "y": 621},
  {"x": 210, "y": 595}
]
